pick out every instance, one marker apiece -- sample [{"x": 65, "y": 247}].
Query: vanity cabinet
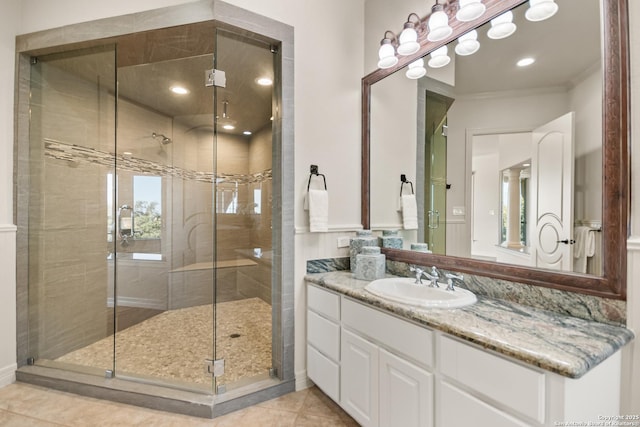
[
  {"x": 383, "y": 366},
  {"x": 478, "y": 386},
  {"x": 359, "y": 380},
  {"x": 386, "y": 371},
  {"x": 397, "y": 356},
  {"x": 323, "y": 340}
]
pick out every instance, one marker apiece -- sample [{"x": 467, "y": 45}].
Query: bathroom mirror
[{"x": 388, "y": 96}]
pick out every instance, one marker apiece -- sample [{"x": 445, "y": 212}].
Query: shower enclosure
[{"x": 149, "y": 206}]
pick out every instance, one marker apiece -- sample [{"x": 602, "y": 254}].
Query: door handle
[
  {"x": 566, "y": 241},
  {"x": 433, "y": 214}
]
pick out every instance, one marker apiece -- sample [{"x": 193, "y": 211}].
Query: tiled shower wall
[{"x": 67, "y": 209}]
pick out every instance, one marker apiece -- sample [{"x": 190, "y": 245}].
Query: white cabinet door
[
  {"x": 457, "y": 408},
  {"x": 406, "y": 393},
  {"x": 359, "y": 379}
]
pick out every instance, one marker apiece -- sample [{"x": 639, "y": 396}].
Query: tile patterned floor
[{"x": 24, "y": 405}]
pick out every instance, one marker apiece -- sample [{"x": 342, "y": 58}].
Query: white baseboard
[
  {"x": 8, "y": 375},
  {"x": 302, "y": 380}
]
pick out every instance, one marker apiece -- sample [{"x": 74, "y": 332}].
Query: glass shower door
[
  {"x": 243, "y": 212},
  {"x": 165, "y": 239},
  {"x": 71, "y": 166}
]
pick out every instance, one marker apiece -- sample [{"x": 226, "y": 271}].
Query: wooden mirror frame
[{"x": 616, "y": 176}]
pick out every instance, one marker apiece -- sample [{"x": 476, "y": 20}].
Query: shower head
[{"x": 164, "y": 140}]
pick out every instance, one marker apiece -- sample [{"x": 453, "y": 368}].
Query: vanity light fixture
[
  {"x": 416, "y": 69},
  {"x": 179, "y": 90},
  {"x": 502, "y": 26},
  {"x": 439, "y": 28},
  {"x": 539, "y": 10},
  {"x": 525, "y": 62},
  {"x": 387, "y": 52},
  {"x": 468, "y": 43},
  {"x": 470, "y": 10},
  {"x": 439, "y": 57},
  {"x": 409, "y": 36}
]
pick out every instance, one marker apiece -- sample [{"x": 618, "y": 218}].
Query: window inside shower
[{"x": 129, "y": 136}]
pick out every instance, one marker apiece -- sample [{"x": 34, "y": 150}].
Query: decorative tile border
[{"x": 78, "y": 154}]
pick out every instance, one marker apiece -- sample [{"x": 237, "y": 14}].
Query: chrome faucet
[
  {"x": 433, "y": 277},
  {"x": 450, "y": 279},
  {"x": 419, "y": 273}
]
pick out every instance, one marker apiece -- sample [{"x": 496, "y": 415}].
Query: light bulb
[
  {"x": 439, "y": 28},
  {"x": 539, "y": 10},
  {"x": 408, "y": 40},
  {"x": 470, "y": 10},
  {"x": 439, "y": 57},
  {"x": 468, "y": 43},
  {"x": 502, "y": 26},
  {"x": 416, "y": 69},
  {"x": 387, "y": 54}
]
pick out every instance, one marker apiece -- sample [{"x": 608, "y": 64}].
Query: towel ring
[
  {"x": 314, "y": 171},
  {"x": 403, "y": 179}
]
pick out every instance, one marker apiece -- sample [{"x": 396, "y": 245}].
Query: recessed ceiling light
[
  {"x": 246, "y": 132},
  {"x": 526, "y": 164},
  {"x": 179, "y": 90},
  {"x": 264, "y": 81},
  {"x": 229, "y": 127},
  {"x": 524, "y": 62}
]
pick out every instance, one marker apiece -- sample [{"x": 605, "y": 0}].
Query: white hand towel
[
  {"x": 318, "y": 210},
  {"x": 581, "y": 235},
  {"x": 409, "y": 212},
  {"x": 590, "y": 243}
]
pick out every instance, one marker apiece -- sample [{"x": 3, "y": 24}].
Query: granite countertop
[{"x": 566, "y": 345}]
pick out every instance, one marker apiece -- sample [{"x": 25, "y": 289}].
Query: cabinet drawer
[
  {"x": 324, "y": 372},
  {"x": 323, "y": 302},
  {"x": 411, "y": 340},
  {"x": 508, "y": 383},
  {"x": 458, "y": 408},
  {"x": 323, "y": 334}
]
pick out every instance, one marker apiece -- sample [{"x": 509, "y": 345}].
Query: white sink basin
[{"x": 404, "y": 290}]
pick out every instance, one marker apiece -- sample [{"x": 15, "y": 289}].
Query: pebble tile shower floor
[{"x": 174, "y": 344}]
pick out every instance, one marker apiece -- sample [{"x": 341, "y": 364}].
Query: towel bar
[
  {"x": 403, "y": 180},
  {"x": 314, "y": 171}
]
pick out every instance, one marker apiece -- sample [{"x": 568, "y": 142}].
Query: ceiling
[{"x": 181, "y": 56}]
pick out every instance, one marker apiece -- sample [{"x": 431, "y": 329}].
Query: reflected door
[
  {"x": 436, "y": 189},
  {"x": 552, "y": 185}
]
